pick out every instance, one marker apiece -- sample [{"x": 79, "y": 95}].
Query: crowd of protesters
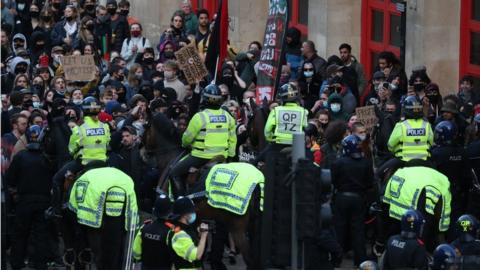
[{"x": 137, "y": 78}]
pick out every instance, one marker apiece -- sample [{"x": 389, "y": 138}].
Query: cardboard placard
[
  {"x": 79, "y": 67},
  {"x": 191, "y": 64},
  {"x": 366, "y": 115}
]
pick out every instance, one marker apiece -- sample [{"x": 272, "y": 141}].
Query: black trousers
[
  {"x": 349, "y": 220},
  {"x": 30, "y": 223},
  {"x": 108, "y": 243},
  {"x": 182, "y": 167},
  {"x": 73, "y": 166},
  {"x": 219, "y": 240}
]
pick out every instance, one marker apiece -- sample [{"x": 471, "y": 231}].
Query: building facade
[{"x": 443, "y": 35}]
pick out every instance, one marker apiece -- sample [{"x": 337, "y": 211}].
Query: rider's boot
[{"x": 178, "y": 187}]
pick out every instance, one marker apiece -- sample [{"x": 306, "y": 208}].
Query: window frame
[
  {"x": 294, "y": 21},
  {"x": 367, "y": 45},
  {"x": 467, "y": 25}
]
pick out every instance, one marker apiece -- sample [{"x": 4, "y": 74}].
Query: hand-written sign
[
  {"x": 366, "y": 115},
  {"x": 79, "y": 67},
  {"x": 191, "y": 64}
]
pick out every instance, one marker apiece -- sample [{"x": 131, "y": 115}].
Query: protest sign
[
  {"x": 367, "y": 116},
  {"x": 191, "y": 64},
  {"x": 79, "y": 67}
]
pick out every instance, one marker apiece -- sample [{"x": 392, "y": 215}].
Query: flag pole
[{"x": 216, "y": 70}]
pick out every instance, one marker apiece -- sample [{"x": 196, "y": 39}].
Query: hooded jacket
[
  {"x": 341, "y": 115},
  {"x": 15, "y": 61},
  {"x": 293, "y": 52},
  {"x": 19, "y": 36}
]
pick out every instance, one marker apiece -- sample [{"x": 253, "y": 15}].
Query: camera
[{"x": 211, "y": 226}]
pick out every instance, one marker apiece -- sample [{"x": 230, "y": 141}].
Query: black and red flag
[{"x": 218, "y": 42}]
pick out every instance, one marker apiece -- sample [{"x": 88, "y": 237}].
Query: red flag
[{"x": 218, "y": 42}]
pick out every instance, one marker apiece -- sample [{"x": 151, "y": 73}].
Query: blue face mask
[
  {"x": 308, "y": 74},
  {"x": 192, "y": 218}
]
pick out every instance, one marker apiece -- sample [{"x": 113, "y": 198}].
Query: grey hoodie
[
  {"x": 15, "y": 61},
  {"x": 19, "y": 36}
]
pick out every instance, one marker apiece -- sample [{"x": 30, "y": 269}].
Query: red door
[
  {"x": 470, "y": 39},
  {"x": 381, "y": 25}
]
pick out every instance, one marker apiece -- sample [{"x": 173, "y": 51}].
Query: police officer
[
  {"x": 150, "y": 246},
  {"x": 287, "y": 119},
  {"x": 444, "y": 258},
  {"x": 467, "y": 243},
  {"x": 105, "y": 205},
  {"x": 451, "y": 160},
  {"x": 350, "y": 192},
  {"x": 411, "y": 138},
  {"x": 182, "y": 240},
  {"x": 30, "y": 175},
  {"x": 406, "y": 250},
  {"x": 87, "y": 143},
  {"x": 210, "y": 133},
  {"x": 404, "y": 191}
]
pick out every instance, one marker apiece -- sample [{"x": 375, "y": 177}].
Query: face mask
[
  {"x": 433, "y": 98},
  {"x": 90, "y": 27},
  {"x": 308, "y": 74},
  {"x": 39, "y": 46},
  {"x": 168, "y": 74},
  {"x": 124, "y": 12},
  {"x": 148, "y": 61},
  {"x": 136, "y": 33},
  {"x": 325, "y": 104},
  {"x": 192, "y": 218},
  {"x": 335, "y": 107},
  {"x": 225, "y": 97},
  {"x": 18, "y": 45},
  {"x": 90, "y": 7},
  {"x": 56, "y": 58},
  {"x": 77, "y": 101},
  {"x": 138, "y": 76},
  {"x": 37, "y": 104},
  {"x": 169, "y": 55},
  {"x": 34, "y": 14},
  {"x": 21, "y": 7},
  {"x": 70, "y": 18},
  {"x": 20, "y": 70},
  {"x": 103, "y": 19},
  {"x": 362, "y": 137},
  {"x": 112, "y": 11},
  {"x": 121, "y": 77}
]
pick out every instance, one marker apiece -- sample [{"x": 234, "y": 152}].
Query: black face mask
[
  {"x": 19, "y": 70},
  {"x": 124, "y": 12},
  {"x": 148, "y": 61},
  {"x": 419, "y": 87},
  {"x": 34, "y": 14},
  {"x": 169, "y": 55},
  {"x": 121, "y": 78},
  {"x": 71, "y": 18},
  {"x": 89, "y": 8},
  {"x": 39, "y": 46},
  {"x": 90, "y": 27},
  {"x": 111, "y": 11},
  {"x": 56, "y": 5}
]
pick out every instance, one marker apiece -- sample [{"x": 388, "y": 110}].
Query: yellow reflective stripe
[
  {"x": 420, "y": 143},
  {"x": 94, "y": 146},
  {"x": 180, "y": 235}
]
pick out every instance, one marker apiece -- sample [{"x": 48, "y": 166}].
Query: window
[
  {"x": 210, "y": 5},
  {"x": 470, "y": 39},
  {"x": 381, "y": 31},
  {"x": 299, "y": 15}
]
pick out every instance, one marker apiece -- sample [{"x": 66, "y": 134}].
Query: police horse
[
  {"x": 388, "y": 226},
  {"x": 166, "y": 152}
]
